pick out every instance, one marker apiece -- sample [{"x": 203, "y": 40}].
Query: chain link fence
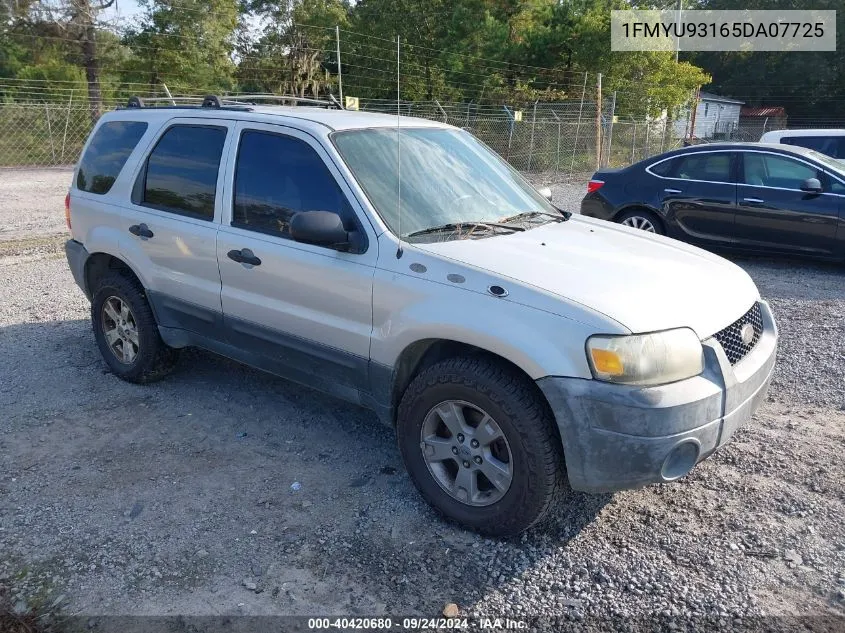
[
  {"x": 554, "y": 142},
  {"x": 42, "y": 134}
]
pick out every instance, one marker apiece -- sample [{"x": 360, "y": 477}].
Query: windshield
[
  {"x": 448, "y": 180},
  {"x": 836, "y": 165}
]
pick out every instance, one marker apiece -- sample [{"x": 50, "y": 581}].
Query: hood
[{"x": 645, "y": 282}]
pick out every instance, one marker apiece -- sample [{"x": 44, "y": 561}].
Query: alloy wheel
[
  {"x": 120, "y": 329},
  {"x": 639, "y": 222},
  {"x": 467, "y": 453}
]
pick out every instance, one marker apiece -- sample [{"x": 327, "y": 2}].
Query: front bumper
[{"x": 617, "y": 437}]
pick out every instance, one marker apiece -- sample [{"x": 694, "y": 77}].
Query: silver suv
[{"x": 517, "y": 350}]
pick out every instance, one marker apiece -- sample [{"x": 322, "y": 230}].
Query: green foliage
[
  {"x": 294, "y": 53},
  {"x": 186, "y": 44},
  {"x": 511, "y": 52},
  {"x": 808, "y": 84}
]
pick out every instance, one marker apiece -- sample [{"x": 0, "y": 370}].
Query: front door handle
[
  {"x": 141, "y": 230},
  {"x": 244, "y": 256},
  {"x": 754, "y": 200},
  {"x": 672, "y": 191}
]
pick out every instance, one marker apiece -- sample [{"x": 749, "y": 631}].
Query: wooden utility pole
[
  {"x": 694, "y": 108},
  {"x": 598, "y": 121}
]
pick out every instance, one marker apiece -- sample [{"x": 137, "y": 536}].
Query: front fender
[{"x": 408, "y": 309}]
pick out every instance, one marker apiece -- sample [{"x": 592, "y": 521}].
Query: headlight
[{"x": 646, "y": 359}]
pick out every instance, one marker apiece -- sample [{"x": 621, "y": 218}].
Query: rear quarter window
[
  {"x": 663, "y": 168},
  {"x": 107, "y": 153}
]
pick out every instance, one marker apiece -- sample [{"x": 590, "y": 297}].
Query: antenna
[{"x": 398, "y": 153}]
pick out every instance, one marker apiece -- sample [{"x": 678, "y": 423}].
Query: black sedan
[{"x": 738, "y": 196}]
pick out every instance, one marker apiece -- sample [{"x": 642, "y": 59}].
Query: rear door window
[
  {"x": 710, "y": 167},
  {"x": 107, "y": 153},
  {"x": 181, "y": 172}
]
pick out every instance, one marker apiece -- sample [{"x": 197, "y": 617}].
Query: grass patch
[
  {"x": 22, "y": 617},
  {"x": 42, "y": 244}
]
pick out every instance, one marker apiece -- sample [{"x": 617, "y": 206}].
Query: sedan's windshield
[{"x": 451, "y": 184}]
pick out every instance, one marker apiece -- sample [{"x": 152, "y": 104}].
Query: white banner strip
[{"x": 744, "y": 30}]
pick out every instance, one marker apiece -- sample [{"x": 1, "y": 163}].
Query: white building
[{"x": 715, "y": 118}]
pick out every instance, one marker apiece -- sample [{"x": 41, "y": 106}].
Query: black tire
[
  {"x": 636, "y": 215},
  {"x": 153, "y": 359},
  {"x": 526, "y": 421}
]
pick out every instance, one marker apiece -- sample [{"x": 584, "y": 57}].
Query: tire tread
[{"x": 510, "y": 390}]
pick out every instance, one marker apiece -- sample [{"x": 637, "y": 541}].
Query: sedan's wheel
[
  {"x": 466, "y": 452},
  {"x": 126, "y": 330},
  {"x": 641, "y": 220},
  {"x": 480, "y": 444}
]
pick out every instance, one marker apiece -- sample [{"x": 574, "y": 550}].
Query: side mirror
[
  {"x": 320, "y": 227},
  {"x": 546, "y": 193},
  {"x": 811, "y": 185}
]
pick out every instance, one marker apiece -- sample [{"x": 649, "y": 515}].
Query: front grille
[{"x": 731, "y": 337}]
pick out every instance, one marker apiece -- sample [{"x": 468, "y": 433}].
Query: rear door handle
[
  {"x": 141, "y": 230},
  {"x": 672, "y": 191},
  {"x": 753, "y": 200},
  {"x": 244, "y": 256}
]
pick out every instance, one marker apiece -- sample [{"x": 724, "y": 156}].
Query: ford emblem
[{"x": 747, "y": 334}]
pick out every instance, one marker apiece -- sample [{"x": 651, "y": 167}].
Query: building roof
[
  {"x": 769, "y": 111},
  {"x": 709, "y": 96}
]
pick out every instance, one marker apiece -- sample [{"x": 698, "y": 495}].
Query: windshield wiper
[
  {"x": 457, "y": 226},
  {"x": 533, "y": 214}
]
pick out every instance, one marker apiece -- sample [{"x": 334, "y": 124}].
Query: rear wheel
[
  {"x": 126, "y": 331},
  {"x": 480, "y": 445},
  {"x": 643, "y": 220}
]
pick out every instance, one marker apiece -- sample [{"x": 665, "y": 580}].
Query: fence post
[
  {"x": 442, "y": 111},
  {"x": 50, "y": 132},
  {"x": 512, "y": 120},
  {"x": 577, "y": 127},
  {"x": 467, "y": 119},
  {"x": 610, "y": 127},
  {"x": 533, "y": 123},
  {"x": 598, "y": 121},
  {"x": 339, "y": 73},
  {"x": 647, "y": 134},
  {"x": 67, "y": 122},
  {"x": 663, "y": 137},
  {"x": 557, "y": 161},
  {"x": 633, "y": 140}
]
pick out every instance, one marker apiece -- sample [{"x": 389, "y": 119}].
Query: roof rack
[{"x": 239, "y": 102}]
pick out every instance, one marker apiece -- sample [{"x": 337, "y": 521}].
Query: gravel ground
[
  {"x": 180, "y": 497},
  {"x": 33, "y": 201}
]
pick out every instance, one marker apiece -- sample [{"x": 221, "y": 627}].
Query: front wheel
[
  {"x": 480, "y": 445},
  {"x": 642, "y": 220}
]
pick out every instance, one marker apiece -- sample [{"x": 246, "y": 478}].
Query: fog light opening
[{"x": 680, "y": 461}]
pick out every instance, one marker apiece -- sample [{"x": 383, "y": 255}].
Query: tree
[
  {"x": 809, "y": 84},
  {"x": 187, "y": 44},
  {"x": 70, "y": 20}
]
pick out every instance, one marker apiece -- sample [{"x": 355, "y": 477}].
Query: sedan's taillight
[
  {"x": 594, "y": 185},
  {"x": 67, "y": 210}
]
